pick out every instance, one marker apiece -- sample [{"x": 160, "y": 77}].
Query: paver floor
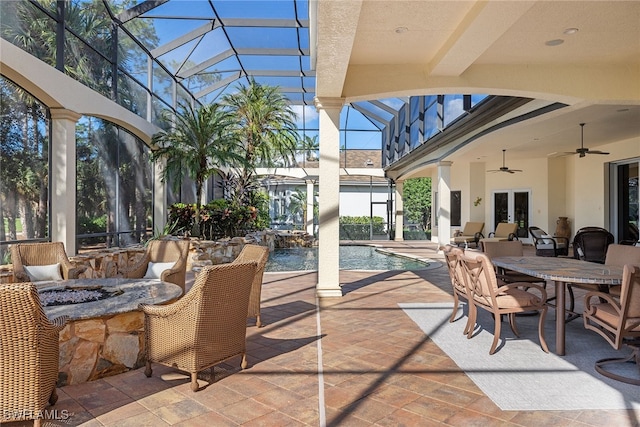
[{"x": 351, "y": 361}]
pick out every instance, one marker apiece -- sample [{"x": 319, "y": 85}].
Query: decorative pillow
[
  {"x": 40, "y": 273},
  {"x": 155, "y": 269}
]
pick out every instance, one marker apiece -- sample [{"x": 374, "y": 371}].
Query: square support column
[
  {"x": 160, "y": 208},
  {"x": 63, "y": 181},
  {"x": 444, "y": 203},
  {"x": 399, "y": 235},
  {"x": 310, "y": 190},
  {"x": 329, "y": 198}
]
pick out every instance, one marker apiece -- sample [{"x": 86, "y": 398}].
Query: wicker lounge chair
[
  {"x": 547, "y": 245},
  {"x": 591, "y": 243},
  {"x": 259, "y": 254},
  {"x": 163, "y": 259},
  {"x": 618, "y": 322},
  {"x": 509, "y": 299},
  {"x": 206, "y": 326},
  {"x": 43, "y": 256},
  {"x": 29, "y": 354}
]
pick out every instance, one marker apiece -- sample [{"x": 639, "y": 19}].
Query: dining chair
[
  {"x": 205, "y": 327},
  {"x": 259, "y": 254},
  {"x": 452, "y": 258},
  {"x": 494, "y": 249},
  {"x": 29, "y": 354},
  {"x": 508, "y": 299},
  {"x": 165, "y": 260},
  {"x": 43, "y": 261},
  {"x": 618, "y": 322}
]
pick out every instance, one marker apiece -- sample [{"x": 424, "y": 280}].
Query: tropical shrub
[{"x": 360, "y": 227}]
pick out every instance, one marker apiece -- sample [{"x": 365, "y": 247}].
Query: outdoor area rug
[{"x": 520, "y": 376}]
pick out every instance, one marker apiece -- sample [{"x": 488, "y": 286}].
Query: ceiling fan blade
[{"x": 597, "y": 152}]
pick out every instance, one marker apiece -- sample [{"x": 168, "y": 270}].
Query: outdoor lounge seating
[
  {"x": 508, "y": 299},
  {"x": 471, "y": 233},
  {"x": 618, "y": 322},
  {"x": 163, "y": 259},
  {"x": 259, "y": 254},
  {"x": 29, "y": 354},
  {"x": 34, "y": 262},
  {"x": 547, "y": 245},
  {"x": 206, "y": 326},
  {"x": 591, "y": 243},
  {"x": 452, "y": 257},
  {"x": 504, "y": 231}
]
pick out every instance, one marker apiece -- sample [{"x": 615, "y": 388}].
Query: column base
[{"x": 329, "y": 293}]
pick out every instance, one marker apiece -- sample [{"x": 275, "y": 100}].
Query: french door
[
  {"x": 625, "y": 201},
  {"x": 511, "y": 206}
]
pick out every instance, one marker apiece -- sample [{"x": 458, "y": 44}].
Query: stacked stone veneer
[
  {"x": 99, "y": 347},
  {"x": 96, "y": 348}
]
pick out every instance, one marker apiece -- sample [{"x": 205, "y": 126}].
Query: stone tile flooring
[{"x": 377, "y": 368}]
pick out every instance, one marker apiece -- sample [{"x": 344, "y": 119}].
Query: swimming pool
[{"x": 351, "y": 258}]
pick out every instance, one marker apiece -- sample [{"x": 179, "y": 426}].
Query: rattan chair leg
[
  {"x": 147, "y": 370},
  {"x": 244, "y": 364},
  {"x": 259, "y": 322},
  {"x": 36, "y": 422},
  {"x": 194, "y": 381},
  {"x": 54, "y": 397}
]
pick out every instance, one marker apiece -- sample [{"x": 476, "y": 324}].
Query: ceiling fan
[
  {"x": 504, "y": 168},
  {"x": 584, "y": 151}
]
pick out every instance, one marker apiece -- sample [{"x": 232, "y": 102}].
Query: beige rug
[{"x": 520, "y": 376}]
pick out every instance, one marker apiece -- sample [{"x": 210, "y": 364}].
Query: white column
[
  {"x": 444, "y": 203},
  {"x": 160, "y": 208},
  {"x": 329, "y": 198},
  {"x": 399, "y": 236},
  {"x": 63, "y": 178},
  {"x": 309, "y": 224}
]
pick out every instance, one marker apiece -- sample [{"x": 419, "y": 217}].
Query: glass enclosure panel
[
  {"x": 24, "y": 166},
  {"x": 132, "y": 95},
  {"x": 113, "y": 186},
  {"x": 162, "y": 84},
  {"x": 453, "y": 108},
  {"x": 132, "y": 58},
  {"x": 87, "y": 66},
  {"x": 28, "y": 27}
]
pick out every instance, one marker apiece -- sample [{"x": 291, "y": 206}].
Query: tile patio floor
[{"x": 377, "y": 368}]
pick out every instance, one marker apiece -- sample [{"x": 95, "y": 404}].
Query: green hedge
[{"x": 360, "y": 227}]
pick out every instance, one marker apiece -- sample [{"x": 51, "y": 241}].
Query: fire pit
[{"x": 105, "y": 332}]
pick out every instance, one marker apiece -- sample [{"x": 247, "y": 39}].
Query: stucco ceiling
[{"x": 371, "y": 49}]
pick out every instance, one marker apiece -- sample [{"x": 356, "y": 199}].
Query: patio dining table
[{"x": 562, "y": 271}]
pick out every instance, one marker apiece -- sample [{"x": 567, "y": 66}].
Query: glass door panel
[{"x": 512, "y": 206}]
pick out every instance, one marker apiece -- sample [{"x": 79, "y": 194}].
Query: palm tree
[
  {"x": 309, "y": 146},
  {"x": 267, "y": 124},
  {"x": 201, "y": 141}
]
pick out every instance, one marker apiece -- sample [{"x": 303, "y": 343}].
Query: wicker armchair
[
  {"x": 41, "y": 254},
  {"x": 29, "y": 353},
  {"x": 591, "y": 243},
  {"x": 259, "y": 254},
  {"x": 547, "y": 245},
  {"x": 174, "y": 253},
  {"x": 206, "y": 326}
]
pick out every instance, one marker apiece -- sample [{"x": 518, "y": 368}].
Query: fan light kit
[{"x": 504, "y": 168}]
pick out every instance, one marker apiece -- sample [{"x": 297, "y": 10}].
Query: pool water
[{"x": 351, "y": 258}]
